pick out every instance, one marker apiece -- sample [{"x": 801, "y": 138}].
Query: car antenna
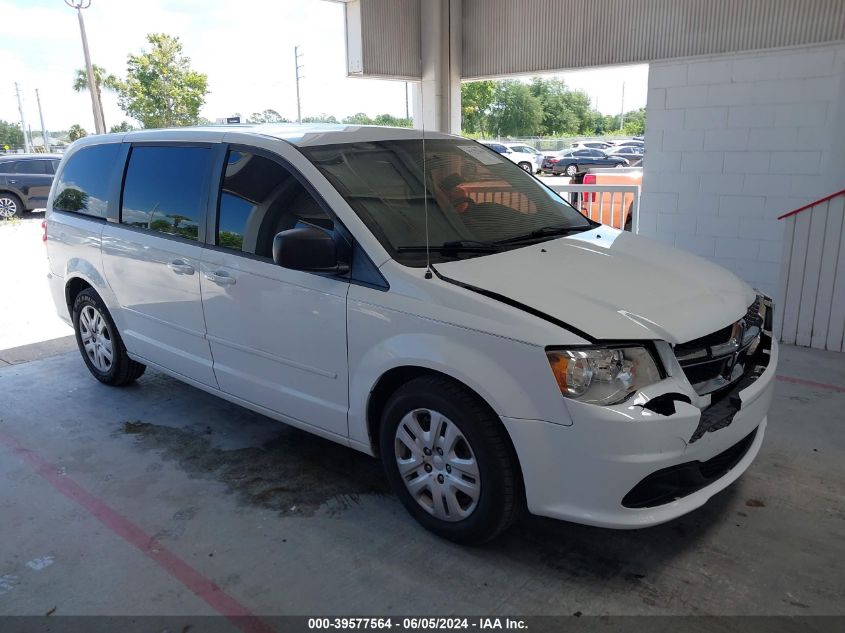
[{"x": 425, "y": 187}]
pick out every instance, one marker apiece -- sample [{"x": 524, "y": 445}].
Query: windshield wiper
[
  {"x": 464, "y": 246},
  {"x": 546, "y": 231}
]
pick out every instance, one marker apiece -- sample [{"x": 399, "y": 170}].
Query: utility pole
[
  {"x": 296, "y": 56},
  {"x": 26, "y": 144},
  {"x": 45, "y": 136},
  {"x": 622, "y": 110},
  {"x": 99, "y": 123}
]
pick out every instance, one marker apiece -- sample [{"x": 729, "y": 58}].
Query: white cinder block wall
[{"x": 733, "y": 141}]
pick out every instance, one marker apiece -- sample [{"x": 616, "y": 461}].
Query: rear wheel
[
  {"x": 571, "y": 170},
  {"x": 100, "y": 344},
  {"x": 449, "y": 460},
  {"x": 10, "y": 206},
  {"x": 527, "y": 167}
]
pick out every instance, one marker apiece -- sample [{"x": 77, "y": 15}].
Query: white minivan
[{"x": 421, "y": 300}]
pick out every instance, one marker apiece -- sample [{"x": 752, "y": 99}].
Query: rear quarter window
[{"x": 83, "y": 185}]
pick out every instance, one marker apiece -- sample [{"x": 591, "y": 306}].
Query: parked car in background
[
  {"x": 527, "y": 149},
  {"x": 25, "y": 181},
  {"x": 526, "y": 157},
  {"x": 632, "y": 153},
  {"x": 576, "y": 161},
  {"x": 630, "y": 143},
  {"x": 591, "y": 145}
]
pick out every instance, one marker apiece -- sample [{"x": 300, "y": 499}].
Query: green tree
[
  {"x": 102, "y": 79},
  {"x": 393, "y": 121},
  {"x": 121, "y": 127},
  {"x": 515, "y": 112},
  {"x": 161, "y": 89},
  {"x": 76, "y": 132},
  {"x": 321, "y": 118},
  {"x": 634, "y": 122},
  {"x": 476, "y": 100},
  {"x": 10, "y": 134},
  {"x": 358, "y": 119},
  {"x": 267, "y": 116}
]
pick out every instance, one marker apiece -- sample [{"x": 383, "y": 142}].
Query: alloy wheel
[
  {"x": 437, "y": 465},
  {"x": 8, "y": 208}
]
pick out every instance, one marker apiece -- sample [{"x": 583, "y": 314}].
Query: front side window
[
  {"x": 469, "y": 195},
  {"x": 164, "y": 189},
  {"x": 258, "y": 199},
  {"x": 9, "y": 167},
  {"x": 83, "y": 186}
]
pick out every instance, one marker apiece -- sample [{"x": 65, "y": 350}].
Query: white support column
[{"x": 437, "y": 100}]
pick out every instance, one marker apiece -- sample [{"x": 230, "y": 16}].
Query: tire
[
  {"x": 96, "y": 336},
  {"x": 10, "y": 206},
  {"x": 571, "y": 170},
  {"x": 526, "y": 167},
  {"x": 477, "y": 471}
]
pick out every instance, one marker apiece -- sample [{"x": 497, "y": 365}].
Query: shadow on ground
[{"x": 298, "y": 474}]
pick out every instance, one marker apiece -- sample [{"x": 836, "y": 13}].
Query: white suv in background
[
  {"x": 420, "y": 300},
  {"x": 516, "y": 152}
]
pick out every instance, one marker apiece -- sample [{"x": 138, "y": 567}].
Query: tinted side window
[
  {"x": 40, "y": 167},
  {"x": 83, "y": 186},
  {"x": 258, "y": 199},
  {"x": 9, "y": 167},
  {"x": 164, "y": 189}
]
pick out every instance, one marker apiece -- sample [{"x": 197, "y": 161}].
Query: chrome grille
[{"x": 720, "y": 359}]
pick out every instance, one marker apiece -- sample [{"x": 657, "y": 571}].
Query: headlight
[{"x": 603, "y": 375}]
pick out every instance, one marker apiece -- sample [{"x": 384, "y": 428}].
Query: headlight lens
[{"x": 603, "y": 375}]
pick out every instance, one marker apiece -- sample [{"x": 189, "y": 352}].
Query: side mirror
[{"x": 309, "y": 249}]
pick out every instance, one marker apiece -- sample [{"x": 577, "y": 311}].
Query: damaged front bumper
[{"x": 631, "y": 466}]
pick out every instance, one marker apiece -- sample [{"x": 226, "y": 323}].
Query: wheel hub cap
[
  {"x": 437, "y": 465},
  {"x": 96, "y": 338}
]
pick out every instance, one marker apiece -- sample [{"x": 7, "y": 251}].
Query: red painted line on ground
[
  {"x": 811, "y": 383},
  {"x": 205, "y": 589}
]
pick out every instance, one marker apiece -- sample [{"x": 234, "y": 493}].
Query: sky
[{"x": 245, "y": 48}]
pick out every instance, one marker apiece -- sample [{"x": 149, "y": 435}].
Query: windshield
[{"x": 475, "y": 197}]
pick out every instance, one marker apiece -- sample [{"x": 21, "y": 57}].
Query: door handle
[
  {"x": 221, "y": 278},
  {"x": 13, "y": 182},
  {"x": 181, "y": 267}
]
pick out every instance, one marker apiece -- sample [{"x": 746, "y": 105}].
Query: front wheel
[
  {"x": 100, "y": 344},
  {"x": 449, "y": 460}
]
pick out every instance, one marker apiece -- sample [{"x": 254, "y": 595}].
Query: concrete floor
[
  {"x": 24, "y": 283},
  {"x": 161, "y": 499}
]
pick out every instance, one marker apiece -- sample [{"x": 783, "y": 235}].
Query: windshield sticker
[{"x": 484, "y": 156}]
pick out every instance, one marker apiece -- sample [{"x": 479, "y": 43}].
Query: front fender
[{"x": 513, "y": 377}]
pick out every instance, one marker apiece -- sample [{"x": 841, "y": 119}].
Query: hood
[{"x": 612, "y": 284}]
